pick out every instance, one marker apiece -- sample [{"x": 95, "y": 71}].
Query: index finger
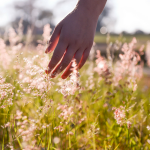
[{"x": 57, "y": 55}]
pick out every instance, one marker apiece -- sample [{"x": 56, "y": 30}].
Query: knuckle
[
  {"x": 64, "y": 38},
  {"x": 76, "y": 42},
  {"x": 69, "y": 56}
]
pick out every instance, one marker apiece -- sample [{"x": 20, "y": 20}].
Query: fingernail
[
  {"x": 48, "y": 71},
  {"x": 55, "y": 73},
  {"x": 63, "y": 77},
  {"x": 47, "y": 50},
  {"x": 48, "y": 47}
]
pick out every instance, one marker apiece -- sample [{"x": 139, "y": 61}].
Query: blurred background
[
  {"x": 126, "y": 16},
  {"x": 125, "y": 19},
  {"x": 118, "y": 16}
]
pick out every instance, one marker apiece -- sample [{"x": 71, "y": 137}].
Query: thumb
[{"x": 54, "y": 39}]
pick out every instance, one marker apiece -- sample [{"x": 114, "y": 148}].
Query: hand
[{"x": 72, "y": 38}]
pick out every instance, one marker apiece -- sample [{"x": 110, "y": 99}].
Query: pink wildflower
[
  {"x": 60, "y": 128},
  {"x": 101, "y": 63},
  {"x": 128, "y": 124},
  {"x": 119, "y": 115},
  {"x": 66, "y": 111}
]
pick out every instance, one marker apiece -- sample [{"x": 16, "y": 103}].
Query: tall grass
[{"x": 105, "y": 108}]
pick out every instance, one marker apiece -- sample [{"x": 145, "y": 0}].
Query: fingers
[
  {"x": 57, "y": 55},
  {"x": 77, "y": 57},
  {"x": 54, "y": 39},
  {"x": 84, "y": 58},
  {"x": 64, "y": 62}
]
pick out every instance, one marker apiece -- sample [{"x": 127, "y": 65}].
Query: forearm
[{"x": 92, "y": 7}]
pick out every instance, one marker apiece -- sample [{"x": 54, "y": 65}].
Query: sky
[
  {"x": 132, "y": 15},
  {"x": 128, "y": 15}
]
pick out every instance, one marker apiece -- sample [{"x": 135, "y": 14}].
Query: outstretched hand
[{"x": 72, "y": 39}]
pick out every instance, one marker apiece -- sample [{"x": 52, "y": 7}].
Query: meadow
[{"x": 104, "y": 106}]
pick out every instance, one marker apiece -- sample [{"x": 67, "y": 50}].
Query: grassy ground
[{"x": 141, "y": 39}]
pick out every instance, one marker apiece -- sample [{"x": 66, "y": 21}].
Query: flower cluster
[
  {"x": 6, "y": 93},
  {"x": 70, "y": 86},
  {"x": 66, "y": 112},
  {"x": 129, "y": 65},
  {"x": 120, "y": 116},
  {"x": 26, "y": 130}
]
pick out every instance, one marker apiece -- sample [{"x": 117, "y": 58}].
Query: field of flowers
[{"x": 104, "y": 107}]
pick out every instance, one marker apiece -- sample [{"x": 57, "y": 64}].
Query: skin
[{"x": 73, "y": 37}]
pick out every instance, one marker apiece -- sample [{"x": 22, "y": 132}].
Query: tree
[
  {"x": 30, "y": 13},
  {"x": 26, "y": 8}
]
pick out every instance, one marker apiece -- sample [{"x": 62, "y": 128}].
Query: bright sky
[{"x": 130, "y": 15}]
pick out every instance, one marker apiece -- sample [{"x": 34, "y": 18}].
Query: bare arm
[{"x": 73, "y": 37}]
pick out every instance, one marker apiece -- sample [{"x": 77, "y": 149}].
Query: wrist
[{"x": 92, "y": 8}]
